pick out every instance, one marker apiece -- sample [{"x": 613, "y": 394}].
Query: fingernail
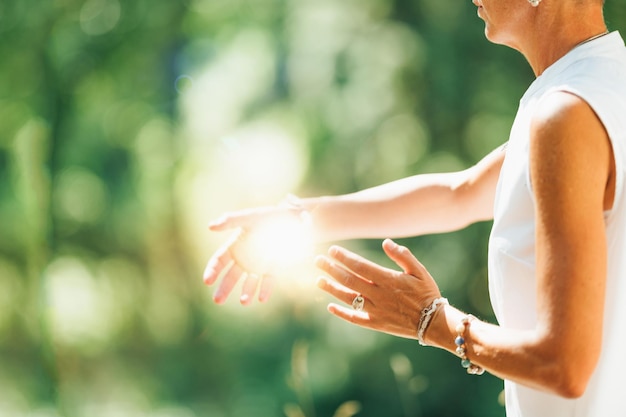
[
  {"x": 244, "y": 299},
  {"x": 392, "y": 245},
  {"x": 321, "y": 283}
]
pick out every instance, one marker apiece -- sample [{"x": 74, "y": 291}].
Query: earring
[{"x": 534, "y": 3}]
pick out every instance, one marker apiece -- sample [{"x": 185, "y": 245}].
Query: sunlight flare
[{"x": 276, "y": 246}]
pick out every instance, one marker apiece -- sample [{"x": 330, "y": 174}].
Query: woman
[{"x": 556, "y": 194}]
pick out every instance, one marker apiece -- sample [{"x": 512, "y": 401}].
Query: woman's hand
[
  {"x": 224, "y": 264},
  {"x": 393, "y": 300},
  {"x": 267, "y": 240}
]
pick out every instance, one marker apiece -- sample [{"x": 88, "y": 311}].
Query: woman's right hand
[{"x": 265, "y": 240}]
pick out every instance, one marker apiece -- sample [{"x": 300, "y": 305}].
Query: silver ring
[{"x": 358, "y": 303}]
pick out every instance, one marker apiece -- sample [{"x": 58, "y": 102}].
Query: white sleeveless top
[{"x": 596, "y": 72}]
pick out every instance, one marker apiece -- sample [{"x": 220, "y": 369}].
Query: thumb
[
  {"x": 403, "y": 257},
  {"x": 244, "y": 218},
  {"x": 232, "y": 220},
  {"x": 224, "y": 222}
]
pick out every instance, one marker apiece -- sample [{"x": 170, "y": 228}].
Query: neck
[
  {"x": 552, "y": 53},
  {"x": 544, "y": 47}
]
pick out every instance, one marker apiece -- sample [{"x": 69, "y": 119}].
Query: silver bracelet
[{"x": 426, "y": 316}]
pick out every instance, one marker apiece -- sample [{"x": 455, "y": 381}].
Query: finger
[
  {"x": 228, "y": 283},
  {"x": 342, "y": 275},
  {"x": 226, "y": 221},
  {"x": 267, "y": 283},
  {"x": 338, "y": 291},
  {"x": 250, "y": 285},
  {"x": 242, "y": 218},
  {"x": 359, "y": 265},
  {"x": 403, "y": 257},
  {"x": 221, "y": 261},
  {"x": 360, "y": 318}
]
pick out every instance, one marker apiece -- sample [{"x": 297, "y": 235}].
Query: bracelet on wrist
[
  {"x": 461, "y": 346},
  {"x": 426, "y": 316}
]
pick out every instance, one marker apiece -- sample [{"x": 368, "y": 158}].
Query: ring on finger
[{"x": 358, "y": 302}]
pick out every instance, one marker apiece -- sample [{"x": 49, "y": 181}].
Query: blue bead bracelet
[{"x": 461, "y": 347}]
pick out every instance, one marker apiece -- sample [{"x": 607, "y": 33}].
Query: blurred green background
[{"x": 125, "y": 126}]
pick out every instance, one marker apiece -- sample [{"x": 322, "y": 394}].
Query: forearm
[
  {"x": 529, "y": 357},
  {"x": 417, "y": 205}
]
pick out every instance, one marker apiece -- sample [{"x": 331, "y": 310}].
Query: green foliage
[{"x": 125, "y": 126}]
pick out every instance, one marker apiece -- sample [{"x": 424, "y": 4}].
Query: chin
[{"x": 492, "y": 36}]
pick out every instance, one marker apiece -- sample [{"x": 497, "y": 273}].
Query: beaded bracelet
[
  {"x": 461, "y": 347},
  {"x": 425, "y": 317}
]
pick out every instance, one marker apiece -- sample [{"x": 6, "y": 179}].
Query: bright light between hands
[{"x": 275, "y": 246}]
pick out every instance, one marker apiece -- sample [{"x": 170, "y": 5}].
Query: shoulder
[
  {"x": 564, "y": 119},
  {"x": 560, "y": 109},
  {"x": 568, "y": 145}
]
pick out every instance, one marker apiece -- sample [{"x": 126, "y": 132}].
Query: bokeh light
[
  {"x": 125, "y": 127},
  {"x": 80, "y": 311}
]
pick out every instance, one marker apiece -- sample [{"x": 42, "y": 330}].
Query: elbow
[
  {"x": 568, "y": 378},
  {"x": 471, "y": 205},
  {"x": 563, "y": 365},
  {"x": 571, "y": 387}
]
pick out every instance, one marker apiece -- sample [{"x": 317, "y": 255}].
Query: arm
[
  {"x": 411, "y": 206},
  {"x": 572, "y": 175},
  {"x": 417, "y": 205}
]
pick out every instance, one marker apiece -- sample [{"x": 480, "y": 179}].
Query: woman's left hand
[{"x": 392, "y": 300}]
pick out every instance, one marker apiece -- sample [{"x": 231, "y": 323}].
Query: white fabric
[{"x": 596, "y": 72}]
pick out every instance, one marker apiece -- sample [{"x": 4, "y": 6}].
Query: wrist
[
  {"x": 426, "y": 317},
  {"x": 441, "y": 331},
  {"x": 318, "y": 211},
  {"x": 449, "y": 329}
]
